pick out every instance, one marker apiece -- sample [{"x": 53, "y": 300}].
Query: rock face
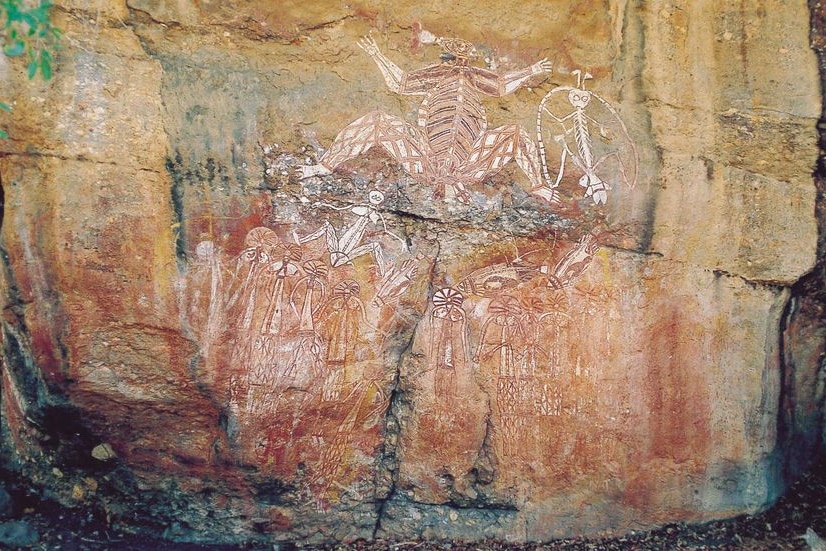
[{"x": 282, "y": 273}]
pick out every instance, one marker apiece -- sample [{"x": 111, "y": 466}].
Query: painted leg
[
  {"x": 396, "y": 136},
  {"x": 495, "y": 148}
]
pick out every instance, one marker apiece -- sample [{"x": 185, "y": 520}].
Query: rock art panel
[
  {"x": 293, "y": 322},
  {"x": 483, "y": 297},
  {"x": 450, "y": 146},
  {"x": 292, "y": 329}
]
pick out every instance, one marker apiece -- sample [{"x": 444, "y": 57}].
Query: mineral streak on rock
[{"x": 415, "y": 340}]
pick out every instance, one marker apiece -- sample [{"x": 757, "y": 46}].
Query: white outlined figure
[
  {"x": 574, "y": 263},
  {"x": 314, "y": 291},
  {"x": 535, "y": 346},
  {"x": 251, "y": 278},
  {"x": 341, "y": 317},
  {"x": 257, "y": 306},
  {"x": 451, "y": 146},
  {"x": 283, "y": 266},
  {"x": 501, "y": 335},
  {"x": 610, "y": 159},
  {"x": 205, "y": 294},
  {"x": 489, "y": 281},
  {"x": 346, "y": 244},
  {"x": 448, "y": 349},
  {"x": 557, "y": 322},
  {"x": 307, "y": 354}
]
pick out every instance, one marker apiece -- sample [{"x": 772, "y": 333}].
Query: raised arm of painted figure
[
  {"x": 391, "y": 234},
  {"x": 392, "y": 73},
  {"x": 512, "y": 81}
]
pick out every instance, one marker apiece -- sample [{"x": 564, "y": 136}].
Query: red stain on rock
[{"x": 675, "y": 392}]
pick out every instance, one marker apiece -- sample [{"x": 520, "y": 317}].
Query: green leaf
[
  {"x": 5, "y": 106},
  {"x": 29, "y": 19},
  {"x": 3, "y": 134},
  {"x": 45, "y": 67},
  {"x": 14, "y": 49},
  {"x": 32, "y": 68}
]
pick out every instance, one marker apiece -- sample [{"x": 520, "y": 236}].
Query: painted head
[
  {"x": 455, "y": 49},
  {"x": 579, "y": 98},
  {"x": 375, "y": 197}
]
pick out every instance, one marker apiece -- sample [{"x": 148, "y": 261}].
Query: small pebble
[
  {"x": 103, "y": 452},
  {"x": 17, "y": 533},
  {"x": 6, "y": 506}
]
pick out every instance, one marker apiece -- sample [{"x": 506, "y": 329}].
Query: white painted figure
[
  {"x": 450, "y": 146},
  {"x": 346, "y": 244},
  {"x": 613, "y": 157}
]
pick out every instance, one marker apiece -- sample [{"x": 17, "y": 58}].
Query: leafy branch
[{"x": 26, "y": 30}]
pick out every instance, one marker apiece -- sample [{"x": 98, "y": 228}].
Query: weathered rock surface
[{"x": 193, "y": 334}]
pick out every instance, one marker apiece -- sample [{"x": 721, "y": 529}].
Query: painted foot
[
  {"x": 462, "y": 194},
  {"x": 312, "y": 170},
  {"x": 549, "y": 194}
]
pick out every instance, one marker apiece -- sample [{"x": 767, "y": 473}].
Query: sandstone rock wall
[{"x": 393, "y": 351}]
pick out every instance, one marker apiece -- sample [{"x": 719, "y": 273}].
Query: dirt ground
[{"x": 779, "y": 528}]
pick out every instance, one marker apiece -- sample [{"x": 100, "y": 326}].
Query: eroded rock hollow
[{"x": 323, "y": 271}]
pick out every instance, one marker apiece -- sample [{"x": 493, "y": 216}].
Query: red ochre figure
[{"x": 450, "y": 146}]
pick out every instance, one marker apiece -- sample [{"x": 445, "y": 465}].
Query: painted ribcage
[{"x": 453, "y": 118}]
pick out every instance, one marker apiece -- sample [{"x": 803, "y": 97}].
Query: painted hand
[
  {"x": 369, "y": 45},
  {"x": 542, "y": 66}
]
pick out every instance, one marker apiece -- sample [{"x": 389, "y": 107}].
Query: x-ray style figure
[
  {"x": 451, "y": 145},
  {"x": 251, "y": 280},
  {"x": 501, "y": 336},
  {"x": 573, "y": 263},
  {"x": 346, "y": 244},
  {"x": 283, "y": 266},
  {"x": 557, "y": 322},
  {"x": 448, "y": 350},
  {"x": 314, "y": 290},
  {"x": 341, "y": 316},
  {"x": 576, "y": 139},
  {"x": 306, "y": 357}
]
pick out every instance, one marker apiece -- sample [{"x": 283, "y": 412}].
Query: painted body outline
[
  {"x": 345, "y": 244},
  {"x": 576, "y": 124},
  {"x": 450, "y": 146}
]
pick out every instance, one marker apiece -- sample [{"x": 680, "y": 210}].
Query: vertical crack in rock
[
  {"x": 392, "y": 428},
  {"x": 484, "y": 468},
  {"x": 176, "y": 193},
  {"x": 389, "y": 468},
  {"x": 785, "y": 411},
  {"x": 802, "y": 399},
  {"x": 629, "y": 67}
]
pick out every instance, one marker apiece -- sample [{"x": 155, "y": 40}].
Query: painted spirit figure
[
  {"x": 611, "y": 158},
  {"x": 341, "y": 316},
  {"x": 448, "y": 353},
  {"x": 451, "y": 146},
  {"x": 500, "y": 341},
  {"x": 346, "y": 244}
]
